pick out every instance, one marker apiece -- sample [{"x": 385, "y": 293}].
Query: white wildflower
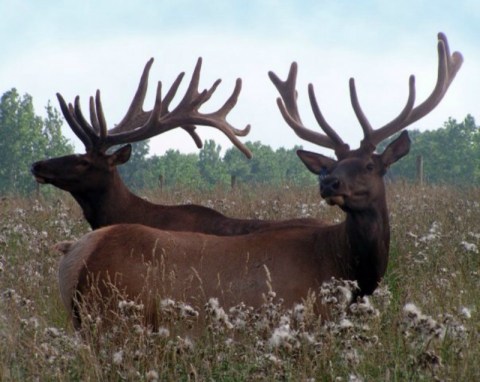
[
  {"x": 187, "y": 311},
  {"x": 163, "y": 332},
  {"x": 469, "y": 247},
  {"x": 118, "y": 357},
  {"x": 428, "y": 237},
  {"x": 128, "y": 304},
  {"x": 273, "y": 359},
  {"x": 351, "y": 355},
  {"x": 411, "y": 310},
  {"x": 354, "y": 378},
  {"x": 167, "y": 303},
  {"x": 345, "y": 324},
  {"x": 185, "y": 344},
  {"x": 363, "y": 307},
  {"x": 474, "y": 235},
  {"x": 299, "y": 312},
  {"x": 52, "y": 332},
  {"x": 466, "y": 312},
  {"x": 282, "y": 335},
  {"x": 151, "y": 376},
  {"x": 33, "y": 322},
  {"x": 217, "y": 313},
  {"x": 382, "y": 296},
  {"x": 420, "y": 327}
]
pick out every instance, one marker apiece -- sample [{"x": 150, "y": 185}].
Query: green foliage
[
  {"x": 451, "y": 154},
  {"x": 24, "y": 139},
  {"x": 134, "y": 172},
  {"x": 210, "y": 164},
  {"x": 176, "y": 169},
  {"x": 208, "y": 169}
]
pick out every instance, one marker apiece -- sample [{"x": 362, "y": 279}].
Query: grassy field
[{"x": 423, "y": 323}]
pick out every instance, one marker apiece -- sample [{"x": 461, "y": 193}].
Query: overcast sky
[{"x": 76, "y": 47}]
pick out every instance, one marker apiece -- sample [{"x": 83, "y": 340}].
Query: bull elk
[
  {"x": 150, "y": 264},
  {"x": 93, "y": 179}
]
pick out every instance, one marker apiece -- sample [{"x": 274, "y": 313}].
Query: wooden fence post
[
  {"x": 160, "y": 182},
  {"x": 420, "y": 170}
]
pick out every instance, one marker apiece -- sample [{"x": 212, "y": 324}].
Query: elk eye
[
  {"x": 323, "y": 174},
  {"x": 83, "y": 163},
  {"x": 370, "y": 166}
]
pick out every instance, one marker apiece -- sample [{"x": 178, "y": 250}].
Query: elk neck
[
  {"x": 367, "y": 234},
  {"x": 110, "y": 204}
]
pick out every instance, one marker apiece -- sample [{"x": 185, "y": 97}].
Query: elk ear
[
  {"x": 315, "y": 162},
  {"x": 396, "y": 149},
  {"x": 121, "y": 156}
]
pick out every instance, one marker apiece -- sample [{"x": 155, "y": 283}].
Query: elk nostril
[
  {"x": 36, "y": 167},
  {"x": 330, "y": 183}
]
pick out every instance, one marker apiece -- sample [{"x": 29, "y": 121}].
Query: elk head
[
  {"x": 354, "y": 180},
  {"x": 90, "y": 171}
]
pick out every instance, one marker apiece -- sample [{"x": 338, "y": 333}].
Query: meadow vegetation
[{"x": 422, "y": 323}]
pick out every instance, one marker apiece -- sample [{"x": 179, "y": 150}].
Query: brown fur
[
  {"x": 148, "y": 264},
  {"x": 94, "y": 182}
]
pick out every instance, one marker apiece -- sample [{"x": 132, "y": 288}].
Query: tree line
[{"x": 451, "y": 155}]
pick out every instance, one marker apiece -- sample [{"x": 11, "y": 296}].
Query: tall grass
[{"x": 423, "y": 323}]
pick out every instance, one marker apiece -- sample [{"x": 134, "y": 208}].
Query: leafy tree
[
  {"x": 267, "y": 166},
  {"x": 210, "y": 164},
  {"x": 55, "y": 143},
  {"x": 135, "y": 173},
  {"x": 451, "y": 154},
  {"x": 263, "y": 166},
  {"x": 237, "y": 165},
  {"x": 292, "y": 168},
  {"x": 177, "y": 169},
  {"x": 24, "y": 139}
]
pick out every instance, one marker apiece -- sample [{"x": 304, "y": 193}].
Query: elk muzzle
[
  {"x": 36, "y": 170},
  {"x": 330, "y": 190}
]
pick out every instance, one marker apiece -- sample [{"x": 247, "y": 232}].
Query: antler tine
[
  {"x": 187, "y": 115},
  {"x": 100, "y": 116},
  {"x": 171, "y": 92},
  {"x": 334, "y": 137},
  {"x": 390, "y": 128},
  {"x": 190, "y": 129},
  {"x": 140, "y": 125},
  {"x": 229, "y": 104},
  {"x": 68, "y": 113},
  {"x": 218, "y": 118},
  {"x": 366, "y": 126},
  {"x": 448, "y": 67},
  {"x": 78, "y": 115},
  {"x": 135, "y": 115},
  {"x": 192, "y": 92},
  {"x": 93, "y": 115},
  {"x": 287, "y": 103}
]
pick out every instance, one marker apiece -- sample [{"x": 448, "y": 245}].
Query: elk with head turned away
[
  {"x": 148, "y": 264},
  {"x": 93, "y": 179}
]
